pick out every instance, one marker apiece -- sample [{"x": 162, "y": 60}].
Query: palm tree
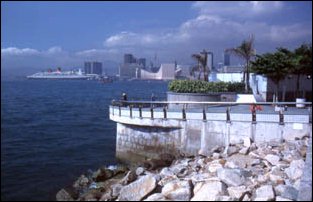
[
  {"x": 245, "y": 51},
  {"x": 202, "y": 60}
]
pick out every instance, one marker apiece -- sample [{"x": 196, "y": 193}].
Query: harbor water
[{"x": 52, "y": 131}]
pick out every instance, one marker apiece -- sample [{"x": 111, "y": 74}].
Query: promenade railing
[{"x": 204, "y": 106}]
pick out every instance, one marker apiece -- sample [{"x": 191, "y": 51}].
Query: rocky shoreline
[{"x": 245, "y": 172}]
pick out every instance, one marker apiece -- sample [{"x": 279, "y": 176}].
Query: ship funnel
[{"x": 79, "y": 72}]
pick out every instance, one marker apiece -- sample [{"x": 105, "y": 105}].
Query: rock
[
  {"x": 277, "y": 179},
  {"x": 244, "y": 150},
  {"x": 119, "y": 169},
  {"x": 166, "y": 172},
  {"x": 138, "y": 189},
  {"x": 246, "y": 198},
  {"x": 102, "y": 174},
  {"x": 116, "y": 189},
  {"x": 130, "y": 177},
  {"x": 295, "y": 169},
  {"x": 254, "y": 155},
  {"x": 232, "y": 150},
  {"x": 177, "y": 191},
  {"x": 265, "y": 193},
  {"x": 237, "y": 192},
  {"x": 246, "y": 142},
  {"x": 63, "y": 195},
  {"x": 91, "y": 195},
  {"x": 253, "y": 146},
  {"x": 81, "y": 182},
  {"x": 210, "y": 191},
  {"x": 241, "y": 160},
  {"x": 167, "y": 179},
  {"x": 297, "y": 183},
  {"x": 287, "y": 191},
  {"x": 279, "y": 198},
  {"x": 273, "y": 159},
  {"x": 230, "y": 176},
  {"x": 215, "y": 155},
  {"x": 218, "y": 149},
  {"x": 106, "y": 196},
  {"x": 255, "y": 162},
  {"x": 262, "y": 178},
  {"x": 231, "y": 164},
  {"x": 224, "y": 198},
  {"x": 213, "y": 166},
  {"x": 156, "y": 197},
  {"x": 140, "y": 171},
  {"x": 200, "y": 177}
]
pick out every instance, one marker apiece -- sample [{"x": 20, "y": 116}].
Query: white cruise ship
[{"x": 58, "y": 74}]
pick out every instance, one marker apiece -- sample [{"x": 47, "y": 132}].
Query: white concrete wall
[{"x": 140, "y": 138}]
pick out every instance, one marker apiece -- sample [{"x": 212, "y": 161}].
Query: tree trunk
[
  {"x": 206, "y": 78},
  {"x": 277, "y": 91},
  {"x": 298, "y": 86},
  {"x": 247, "y": 78}
]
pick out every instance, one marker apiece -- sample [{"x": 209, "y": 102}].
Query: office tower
[
  {"x": 226, "y": 59},
  {"x": 128, "y": 59},
  {"x": 93, "y": 68},
  {"x": 87, "y": 68},
  {"x": 210, "y": 61}
]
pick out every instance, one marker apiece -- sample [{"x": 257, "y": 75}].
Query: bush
[{"x": 197, "y": 86}]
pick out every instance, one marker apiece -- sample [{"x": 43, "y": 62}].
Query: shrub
[{"x": 196, "y": 86}]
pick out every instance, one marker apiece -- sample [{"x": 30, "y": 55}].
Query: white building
[{"x": 166, "y": 72}]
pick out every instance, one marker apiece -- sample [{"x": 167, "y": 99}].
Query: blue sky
[{"x": 50, "y": 34}]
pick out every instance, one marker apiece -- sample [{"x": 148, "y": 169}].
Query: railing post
[
  {"x": 204, "y": 114},
  {"x": 140, "y": 112},
  {"x": 184, "y": 114},
  {"x": 254, "y": 116},
  {"x": 281, "y": 117},
  {"x": 227, "y": 115},
  {"x": 164, "y": 113},
  {"x": 119, "y": 110},
  {"x": 151, "y": 110},
  {"x": 131, "y": 111}
]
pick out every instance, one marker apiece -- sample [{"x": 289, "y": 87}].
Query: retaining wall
[{"x": 140, "y": 136}]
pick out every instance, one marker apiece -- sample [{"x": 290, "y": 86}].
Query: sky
[{"x": 41, "y": 35}]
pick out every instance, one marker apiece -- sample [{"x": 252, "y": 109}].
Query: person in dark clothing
[
  {"x": 124, "y": 98},
  {"x": 153, "y": 98}
]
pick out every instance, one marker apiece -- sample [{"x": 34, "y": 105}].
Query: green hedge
[{"x": 197, "y": 86}]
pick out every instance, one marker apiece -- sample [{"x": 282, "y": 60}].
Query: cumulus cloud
[
  {"x": 216, "y": 26},
  {"x": 126, "y": 38},
  {"x": 19, "y": 52},
  {"x": 238, "y": 9}
]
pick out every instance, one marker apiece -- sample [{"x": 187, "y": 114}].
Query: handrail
[{"x": 219, "y": 103}]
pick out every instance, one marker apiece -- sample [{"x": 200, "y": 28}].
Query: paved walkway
[{"x": 305, "y": 191}]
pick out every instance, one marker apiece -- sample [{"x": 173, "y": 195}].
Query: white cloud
[
  {"x": 19, "y": 52},
  {"x": 240, "y": 9},
  {"x": 54, "y": 50}
]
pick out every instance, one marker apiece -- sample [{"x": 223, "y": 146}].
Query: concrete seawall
[{"x": 142, "y": 135}]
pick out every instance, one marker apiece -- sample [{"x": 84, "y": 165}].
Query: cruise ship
[{"x": 58, "y": 74}]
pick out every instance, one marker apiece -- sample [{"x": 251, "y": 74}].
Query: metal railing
[{"x": 204, "y": 105}]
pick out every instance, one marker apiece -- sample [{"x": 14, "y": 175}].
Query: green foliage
[
  {"x": 273, "y": 65},
  {"x": 196, "y": 86}
]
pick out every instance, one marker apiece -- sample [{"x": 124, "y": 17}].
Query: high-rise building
[
  {"x": 87, "y": 67},
  {"x": 142, "y": 62},
  {"x": 128, "y": 58},
  {"x": 226, "y": 59},
  {"x": 210, "y": 61},
  {"x": 93, "y": 68}
]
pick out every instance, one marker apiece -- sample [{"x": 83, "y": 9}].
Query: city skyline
[{"x": 43, "y": 34}]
